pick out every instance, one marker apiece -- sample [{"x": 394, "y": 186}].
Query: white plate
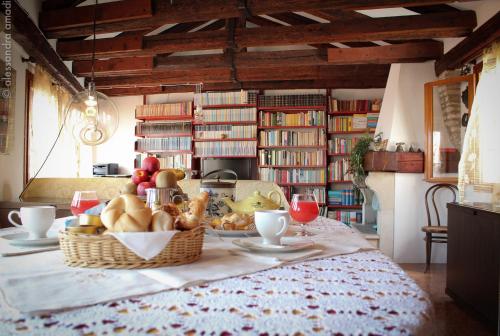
[
  {"x": 21, "y": 239},
  {"x": 288, "y": 244}
]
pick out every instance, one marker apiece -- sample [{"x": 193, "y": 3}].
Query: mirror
[{"x": 447, "y": 105}]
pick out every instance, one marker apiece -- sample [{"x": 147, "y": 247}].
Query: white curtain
[
  {"x": 479, "y": 170},
  {"x": 47, "y": 113}
]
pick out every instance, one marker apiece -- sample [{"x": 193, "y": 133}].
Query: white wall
[
  {"x": 11, "y": 165},
  {"x": 402, "y": 119}
]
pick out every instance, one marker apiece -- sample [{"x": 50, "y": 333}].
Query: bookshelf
[
  {"x": 292, "y": 143},
  {"x": 226, "y": 125},
  {"x": 165, "y": 131},
  {"x": 347, "y": 121}
]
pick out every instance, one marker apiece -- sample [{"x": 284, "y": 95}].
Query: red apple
[
  {"x": 151, "y": 164},
  {"x": 141, "y": 188},
  {"x": 140, "y": 175}
]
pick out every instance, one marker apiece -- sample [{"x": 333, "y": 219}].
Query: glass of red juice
[
  {"x": 83, "y": 200},
  {"x": 303, "y": 209}
]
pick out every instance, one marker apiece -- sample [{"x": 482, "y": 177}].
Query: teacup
[
  {"x": 37, "y": 220},
  {"x": 272, "y": 225}
]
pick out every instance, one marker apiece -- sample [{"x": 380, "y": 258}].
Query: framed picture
[{"x": 7, "y": 99}]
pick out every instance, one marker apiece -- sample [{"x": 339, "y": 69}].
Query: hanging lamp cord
[{"x": 93, "y": 42}]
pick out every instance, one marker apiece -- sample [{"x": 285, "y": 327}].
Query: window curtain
[
  {"x": 479, "y": 169},
  {"x": 46, "y": 119}
]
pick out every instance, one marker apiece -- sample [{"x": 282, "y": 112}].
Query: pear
[{"x": 129, "y": 188}]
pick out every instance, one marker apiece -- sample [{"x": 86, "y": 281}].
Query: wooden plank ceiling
[{"x": 156, "y": 46}]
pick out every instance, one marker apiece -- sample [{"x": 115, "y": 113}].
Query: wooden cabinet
[{"x": 474, "y": 259}]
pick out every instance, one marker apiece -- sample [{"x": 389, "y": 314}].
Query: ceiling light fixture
[{"x": 92, "y": 116}]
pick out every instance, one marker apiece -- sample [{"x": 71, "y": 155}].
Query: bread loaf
[{"x": 126, "y": 213}]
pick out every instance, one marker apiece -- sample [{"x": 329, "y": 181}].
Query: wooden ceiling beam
[
  {"x": 471, "y": 46},
  {"x": 110, "y": 12},
  {"x": 352, "y": 83},
  {"x": 30, "y": 38},
  {"x": 420, "y": 26},
  {"x": 77, "y": 21},
  {"x": 397, "y": 53},
  {"x": 58, "y": 4},
  {"x": 216, "y": 75},
  {"x": 114, "y": 66}
]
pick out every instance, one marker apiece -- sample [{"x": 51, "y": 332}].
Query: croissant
[
  {"x": 191, "y": 219},
  {"x": 126, "y": 213}
]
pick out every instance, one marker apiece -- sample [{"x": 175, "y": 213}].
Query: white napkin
[{"x": 146, "y": 245}]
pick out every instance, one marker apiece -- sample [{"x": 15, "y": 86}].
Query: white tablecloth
[{"x": 358, "y": 293}]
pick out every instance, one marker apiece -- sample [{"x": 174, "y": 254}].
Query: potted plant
[{"x": 356, "y": 161}]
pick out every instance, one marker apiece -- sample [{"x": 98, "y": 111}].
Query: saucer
[
  {"x": 288, "y": 244},
  {"x": 21, "y": 239}
]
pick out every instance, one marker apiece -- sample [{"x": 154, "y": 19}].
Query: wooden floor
[{"x": 451, "y": 319}]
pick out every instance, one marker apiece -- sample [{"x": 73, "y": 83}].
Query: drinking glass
[
  {"x": 83, "y": 200},
  {"x": 303, "y": 209}
]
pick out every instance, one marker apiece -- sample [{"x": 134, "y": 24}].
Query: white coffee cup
[
  {"x": 272, "y": 225},
  {"x": 37, "y": 220}
]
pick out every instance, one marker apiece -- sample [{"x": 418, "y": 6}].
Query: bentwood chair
[{"x": 435, "y": 232}]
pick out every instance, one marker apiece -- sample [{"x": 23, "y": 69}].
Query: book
[
  {"x": 225, "y": 132},
  {"x": 354, "y": 105},
  {"x": 345, "y": 197},
  {"x": 309, "y": 118},
  {"x": 339, "y": 145},
  {"x": 225, "y": 149},
  {"x": 154, "y": 128},
  {"x": 226, "y": 115},
  {"x": 181, "y": 109},
  {"x": 310, "y": 137},
  {"x": 163, "y": 144},
  {"x": 359, "y": 122},
  {"x": 292, "y": 100},
  {"x": 295, "y": 175},
  {"x": 225, "y": 98},
  {"x": 338, "y": 170},
  {"x": 348, "y": 217},
  {"x": 274, "y": 157}
]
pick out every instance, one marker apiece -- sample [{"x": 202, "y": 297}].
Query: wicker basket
[{"x": 104, "y": 251}]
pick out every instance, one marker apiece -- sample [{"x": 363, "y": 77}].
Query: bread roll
[
  {"x": 162, "y": 221},
  {"x": 126, "y": 213},
  {"x": 192, "y": 218}
]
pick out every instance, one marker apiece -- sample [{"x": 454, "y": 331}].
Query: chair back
[{"x": 432, "y": 192}]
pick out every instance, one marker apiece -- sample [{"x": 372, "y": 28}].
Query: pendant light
[{"x": 92, "y": 117}]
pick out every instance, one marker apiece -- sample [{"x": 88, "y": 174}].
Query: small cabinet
[{"x": 474, "y": 259}]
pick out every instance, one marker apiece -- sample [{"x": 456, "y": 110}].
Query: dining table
[{"x": 359, "y": 293}]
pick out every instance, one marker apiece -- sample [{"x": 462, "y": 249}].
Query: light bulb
[{"x": 92, "y": 117}]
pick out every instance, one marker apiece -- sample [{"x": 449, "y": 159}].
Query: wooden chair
[{"x": 435, "y": 233}]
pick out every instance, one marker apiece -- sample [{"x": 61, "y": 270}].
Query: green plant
[{"x": 356, "y": 160}]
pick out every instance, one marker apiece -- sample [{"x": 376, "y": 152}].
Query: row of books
[
  {"x": 164, "y": 110},
  {"x": 180, "y": 161},
  {"x": 225, "y": 98},
  {"x": 161, "y": 128},
  {"x": 319, "y": 193},
  {"x": 229, "y": 114},
  {"x": 372, "y": 119},
  {"x": 292, "y": 100},
  {"x": 346, "y": 124},
  {"x": 337, "y": 105},
  {"x": 225, "y": 131},
  {"x": 346, "y": 217},
  {"x": 310, "y": 137},
  {"x": 296, "y": 175},
  {"x": 345, "y": 197},
  {"x": 338, "y": 170},
  {"x": 229, "y": 148},
  {"x": 291, "y": 158},
  {"x": 309, "y": 118},
  {"x": 163, "y": 144},
  {"x": 341, "y": 145}
]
